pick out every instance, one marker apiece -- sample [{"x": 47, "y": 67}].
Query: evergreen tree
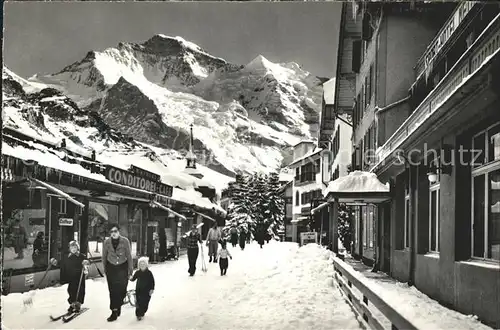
[
  {"x": 344, "y": 226},
  {"x": 275, "y": 204}
]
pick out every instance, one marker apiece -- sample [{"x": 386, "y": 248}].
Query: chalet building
[
  {"x": 426, "y": 121},
  {"x": 50, "y": 197},
  {"x": 286, "y": 191}
]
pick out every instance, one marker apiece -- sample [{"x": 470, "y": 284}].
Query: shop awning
[
  {"x": 358, "y": 187},
  {"x": 163, "y": 207},
  {"x": 321, "y": 206},
  {"x": 56, "y": 191},
  {"x": 299, "y": 219},
  {"x": 205, "y": 216}
]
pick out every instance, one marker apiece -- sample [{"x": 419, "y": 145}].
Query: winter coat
[
  {"x": 145, "y": 281},
  {"x": 121, "y": 255},
  {"x": 71, "y": 268},
  {"x": 19, "y": 237},
  {"x": 214, "y": 234},
  {"x": 233, "y": 231}
]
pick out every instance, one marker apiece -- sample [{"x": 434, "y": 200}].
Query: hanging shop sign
[
  {"x": 66, "y": 222},
  {"x": 144, "y": 174},
  {"x": 309, "y": 237},
  {"x": 141, "y": 179}
]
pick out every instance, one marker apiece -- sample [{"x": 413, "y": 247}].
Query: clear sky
[{"x": 44, "y": 37}]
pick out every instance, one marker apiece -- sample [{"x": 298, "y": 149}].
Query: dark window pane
[
  {"x": 479, "y": 216},
  {"x": 494, "y": 216},
  {"x": 494, "y": 143},
  {"x": 407, "y": 222},
  {"x": 433, "y": 220},
  {"x": 479, "y": 150}
]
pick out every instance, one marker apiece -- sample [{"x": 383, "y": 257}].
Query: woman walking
[
  {"x": 118, "y": 267},
  {"x": 192, "y": 240},
  {"x": 243, "y": 238},
  {"x": 234, "y": 235},
  {"x": 213, "y": 238}
]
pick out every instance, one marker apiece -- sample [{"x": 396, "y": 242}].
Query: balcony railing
[
  {"x": 445, "y": 34},
  {"x": 485, "y": 46}
]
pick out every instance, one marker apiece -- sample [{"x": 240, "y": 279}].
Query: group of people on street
[{"x": 118, "y": 268}]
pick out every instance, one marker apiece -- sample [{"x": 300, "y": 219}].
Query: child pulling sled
[
  {"x": 74, "y": 269},
  {"x": 144, "y": 287}
]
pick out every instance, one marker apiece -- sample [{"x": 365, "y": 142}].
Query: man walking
[
  {"x": 213, "y": 238},
  {"x": 118, "y": 266},
  {"x": 192, "y": 240}
]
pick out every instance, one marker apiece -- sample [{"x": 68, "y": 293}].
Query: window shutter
[{"x": 356, "y": 55}]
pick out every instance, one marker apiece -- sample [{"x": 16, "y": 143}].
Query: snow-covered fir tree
[{"x": 275, "y": 204}]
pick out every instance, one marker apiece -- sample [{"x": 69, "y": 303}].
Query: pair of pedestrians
[{"x": 193, "y": 238}]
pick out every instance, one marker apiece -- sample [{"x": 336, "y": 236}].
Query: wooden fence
[{"x": 346, "y": 280}]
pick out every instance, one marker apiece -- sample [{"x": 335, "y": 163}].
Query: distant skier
[
  {"x": 73, "y": 271},
  {"x": 144, "y": 287},
  {"x": 223, "y": 262},
  {"x": 213, "y": 238},
  {"x": 234, "y": 235},
  {"x": 243, "y": 238}
]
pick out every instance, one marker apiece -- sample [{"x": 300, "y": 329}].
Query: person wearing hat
[
  {"x": 192, "y": 240},
  {"x": 73, "y": 271}
]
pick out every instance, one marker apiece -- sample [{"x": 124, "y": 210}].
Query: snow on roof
[
  {"x": 191, "y": 196},
  {"x": 308, "y": 155},
  {"x": 329, "y": 91},
  {"x": 303, "y": 141},
  {"x": 357, "y": 182}
]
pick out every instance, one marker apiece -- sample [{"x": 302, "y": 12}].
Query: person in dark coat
[
  {"x": 118, "y": 266},
  {"x": 192, "y": 240},
  {"x": 234, "y": 235},
  {"x": 144, "y": 287},
  {"x": 73, "y": 271},
  {"x": 39, "y": 253},
  {"x": 260, "y": 236},
  {"x": 243, "y": 238}
]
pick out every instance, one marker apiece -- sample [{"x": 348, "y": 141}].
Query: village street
[{"x": 280, "y": 286}]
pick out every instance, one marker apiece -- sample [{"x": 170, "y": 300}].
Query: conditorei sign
[{"x": 135, "y": 180}]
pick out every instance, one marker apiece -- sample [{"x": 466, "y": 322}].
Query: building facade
[
  {"x": 426, "y": 120},
  {"x": 286, "y": 191},
  {"x": 307, "y": 185}
]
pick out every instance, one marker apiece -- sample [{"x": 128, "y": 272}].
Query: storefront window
[
  {"x": 486, "y": 199},
  {"x": 100, "y": 216},
  {"x": 407, "y": 222},
  {"x": 24, "y": 228},
  {"x": 493, "y": 246},
  {"x": 434, "y": 219},
  {"x": 494, "y": 143},
  {"x": 479, "y": 150}
]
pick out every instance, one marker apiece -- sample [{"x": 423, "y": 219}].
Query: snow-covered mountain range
[{"x": 136, "y": 94}]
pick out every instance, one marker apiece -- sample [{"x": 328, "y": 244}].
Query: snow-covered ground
[{"x": 280, "y": 286}]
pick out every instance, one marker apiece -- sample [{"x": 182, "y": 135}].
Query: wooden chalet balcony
[
  {"x": 483, "y": 51},
  {"x": 447, "y": 35}
]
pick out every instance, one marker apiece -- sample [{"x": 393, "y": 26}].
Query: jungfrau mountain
[{"x": 244, "y": 116}]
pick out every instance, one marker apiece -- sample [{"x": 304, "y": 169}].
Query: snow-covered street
[{"x": 280, "y": 286}]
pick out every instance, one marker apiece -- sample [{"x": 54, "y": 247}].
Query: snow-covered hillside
[
  {"x": 49, "y": 116},
  {"x": 244, "y": 116}
]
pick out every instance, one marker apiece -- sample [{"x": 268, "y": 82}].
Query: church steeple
[{"x": 190, "y": 156}]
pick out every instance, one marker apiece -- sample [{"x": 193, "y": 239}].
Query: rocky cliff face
[{"x": 244, "y": 116}]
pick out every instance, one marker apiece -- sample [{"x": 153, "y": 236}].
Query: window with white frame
[
  {"x": 434, "y": 223},
  {"x": 486, "y": 195}
]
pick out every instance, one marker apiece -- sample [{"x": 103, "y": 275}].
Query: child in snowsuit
[
  {"x": 73, "y": 271},
  {"x": 144, "y": 287},
  {"x": 223, "y": 262}
]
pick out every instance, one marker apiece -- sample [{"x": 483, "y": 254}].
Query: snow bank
[{"x": 357, "y": 181}]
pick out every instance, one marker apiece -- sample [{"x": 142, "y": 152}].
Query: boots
[
  {"x": 215, "y": 259},
  {"x": 113, "y": 316},
  {"x": 210, "y": 259}
]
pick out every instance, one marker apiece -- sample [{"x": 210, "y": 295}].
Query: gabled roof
[{"x": 304, "y": 159}]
